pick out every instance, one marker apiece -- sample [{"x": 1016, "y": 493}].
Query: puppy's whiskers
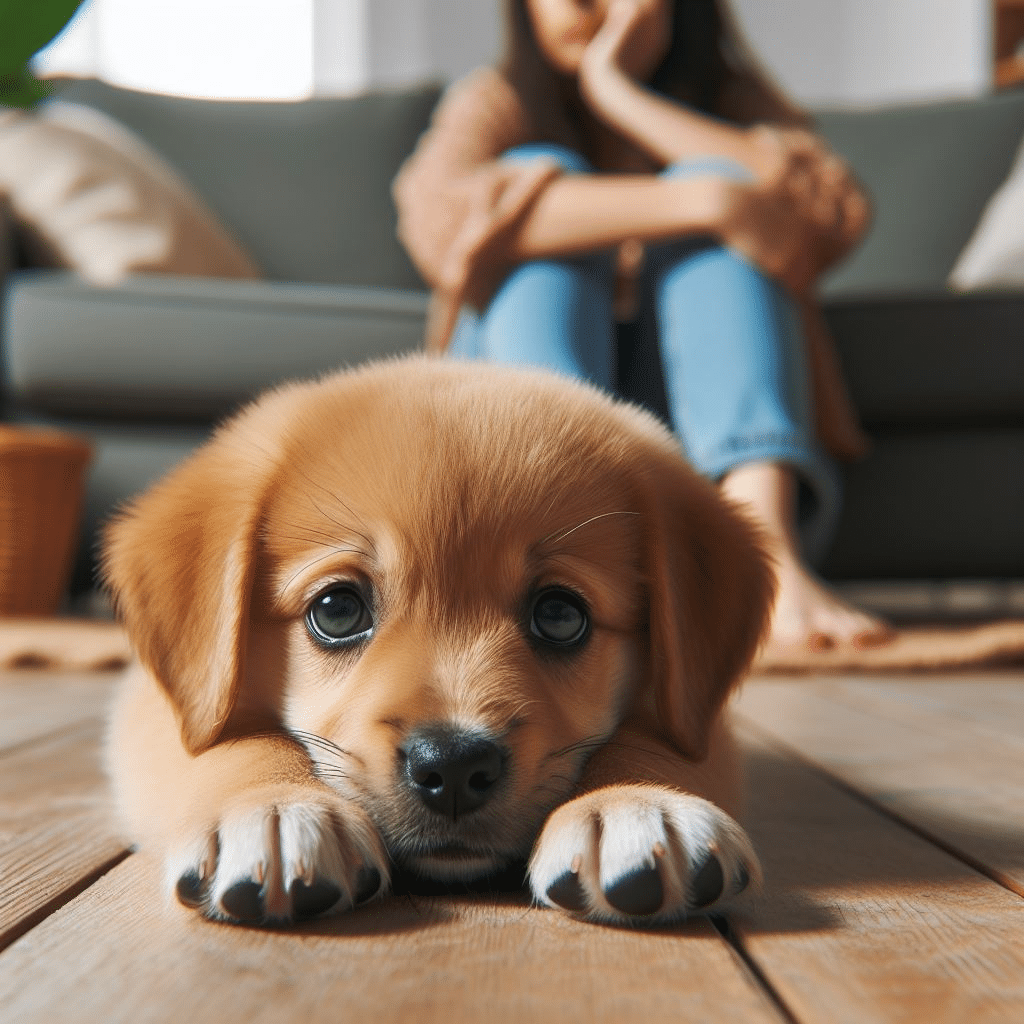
[
  {"x": 335, "y": 498},
  {"x": 329, "y": 770},
  {"x": 330, "y": 747},
  {"x": 343, "y": 526},
  {"x": 561, "y": 534},
  {"x": 671, "y": 759},
  {"x": 585, "y": 746},
  {"x": 310, "y": 534},
  {"x": 334, "y": 550}
]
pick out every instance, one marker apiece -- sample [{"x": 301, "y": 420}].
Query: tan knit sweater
[{"x": 457, "y": 202}]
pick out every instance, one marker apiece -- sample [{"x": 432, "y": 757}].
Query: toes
[
  {"x": 707, "y": 883},
  {"x": 315, "y": 898},
  {"x": 192, "y": 890},
  {"x": 742, "y": 878},
  {"x": 368, "y": 884},
  {"x": 279, "y": 863},
  {"x": 243, "y": 901},
  {"x": 639, "y": 893},
  {"x": 875, "y": 637},
  {"x": 651, "y": 857},
  {"x": 568, "y": 892}
]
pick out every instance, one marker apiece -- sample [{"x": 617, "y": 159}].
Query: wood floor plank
[
  {"x": 36, "y": 703},
  {"x": 863, "y": 921},
  {"x": 124, "y": 957},
  {"x": 958, "y": 775},
  {"x": 56, "y": 828}
]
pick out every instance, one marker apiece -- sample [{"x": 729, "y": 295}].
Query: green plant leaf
[
  {"x": 26, "y": 26},
  {"x": 22, "y": 90}
]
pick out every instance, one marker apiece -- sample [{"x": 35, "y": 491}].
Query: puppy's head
[{"x": 452, "y": 582}]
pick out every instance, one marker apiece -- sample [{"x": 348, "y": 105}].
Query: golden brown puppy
[{"x": 441, "y": 616}]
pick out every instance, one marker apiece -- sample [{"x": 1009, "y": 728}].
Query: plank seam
[
  {"x": 61, "y": 899},
  {"x": 782, "y": 745},
  {"x": 761, "y": 979}
]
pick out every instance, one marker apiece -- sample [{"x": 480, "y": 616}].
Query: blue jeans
[{"x": 731, "y": 345}]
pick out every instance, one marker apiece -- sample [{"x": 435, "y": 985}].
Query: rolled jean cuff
[
  {"x": 709, "y": 166},
  {"x": 568, "y": 159},
  {"x": 819, "y": 497}
]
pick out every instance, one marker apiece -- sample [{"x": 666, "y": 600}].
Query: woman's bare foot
[{"x": 807, "y": 611}]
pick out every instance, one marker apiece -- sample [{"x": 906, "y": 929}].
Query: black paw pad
[
  {"x": 707, "y": 883},
  {"x": 367, "y": 884},
  {"x": 640, "y": 892},
  {"x": 567, "y": 892},
  {"x": 310, "y": 900},
  {"x": 191, "y": 890},
  {"x": 742, "y": 878},
  {"x": 244, "y": 901}
]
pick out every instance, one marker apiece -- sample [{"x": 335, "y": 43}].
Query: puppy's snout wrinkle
[{"x": 451, "y": 771}]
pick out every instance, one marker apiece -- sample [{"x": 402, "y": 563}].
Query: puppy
[{"x": 443, "y": 617}]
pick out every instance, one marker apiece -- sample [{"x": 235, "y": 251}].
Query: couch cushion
[
  {"x": 101, "y": 202},
  {"x": 932, "y": 358},
  {"x": 930, "y": 169},
  {"x": 188, "y": 349},
  {"x": 305, "y": 187},
  {"x": 933, "y": 504}
]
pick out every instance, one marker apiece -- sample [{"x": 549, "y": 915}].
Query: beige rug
[
  {"x": 914, "y": 648},
  {"x": 78, "y": 644}
]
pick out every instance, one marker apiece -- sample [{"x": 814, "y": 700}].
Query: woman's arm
[
  {"x": 579, "y": 213},
  {"x": 624, "y": 53},
  {"x": 582, "y": 213},
  {"x": 784, "y": 155}
]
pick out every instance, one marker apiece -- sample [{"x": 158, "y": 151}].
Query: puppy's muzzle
[{"x": 452, "y": 772}]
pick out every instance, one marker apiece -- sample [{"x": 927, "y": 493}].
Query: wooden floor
[{"x": 889, "y": 814}]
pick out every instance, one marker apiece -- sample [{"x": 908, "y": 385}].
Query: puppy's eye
[
  {"x": 338, "y": 614},
  {"x": 559, "y": 617}
]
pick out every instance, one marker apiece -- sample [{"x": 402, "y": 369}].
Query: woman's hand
[
  {"x": 768, "y": 227},
  {"x": 822, "y": 187},
  {"x": 632, "y": 41}
]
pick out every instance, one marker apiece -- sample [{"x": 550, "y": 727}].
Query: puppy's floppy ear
[
  {"x": 710, "y": 590},
  {"x": 180, "y": 564}
]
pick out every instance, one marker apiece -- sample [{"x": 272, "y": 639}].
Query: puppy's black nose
[{"x": 452, "y": 772}]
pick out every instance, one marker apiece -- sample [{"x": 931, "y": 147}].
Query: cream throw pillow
[
  {"x": 103, "y": 203},
  {"x": 994, "y": 257}
]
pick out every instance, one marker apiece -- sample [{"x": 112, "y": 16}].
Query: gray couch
[{"x": 146, "y": 368}]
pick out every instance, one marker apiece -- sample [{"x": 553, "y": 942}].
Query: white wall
[
  {"x": 868, "y": 52},
  {"x": 824, "y": 52},
  {"x": 916, "y": 49}
]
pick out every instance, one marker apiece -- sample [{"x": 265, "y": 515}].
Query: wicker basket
[{"x": 41, "y": 487}]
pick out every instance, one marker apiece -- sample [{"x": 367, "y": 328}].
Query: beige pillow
[
  {"x": 103, "y": 203},
  {"x": 994, "y": 257}
]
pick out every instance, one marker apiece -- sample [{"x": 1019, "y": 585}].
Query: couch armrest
[
  {"x": 188, "y": 349},
  {"x": 928, "y": 358}
]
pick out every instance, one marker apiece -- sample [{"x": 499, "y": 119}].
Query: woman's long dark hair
[{"x": 703, "y": 51}]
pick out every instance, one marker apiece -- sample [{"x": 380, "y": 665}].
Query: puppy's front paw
[
  {"x": 640, "y": 854},
  {"x": 277, "y": 857}
]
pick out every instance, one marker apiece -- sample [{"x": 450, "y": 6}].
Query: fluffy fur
[{"x": 469, "y": 512}]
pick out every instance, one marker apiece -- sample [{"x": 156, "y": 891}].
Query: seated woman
[{"x": 628, "y": 159}]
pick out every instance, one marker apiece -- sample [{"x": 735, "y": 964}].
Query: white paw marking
[
  {"x": 278, "y": 862},
  {"x": 641, "y": 853}
]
